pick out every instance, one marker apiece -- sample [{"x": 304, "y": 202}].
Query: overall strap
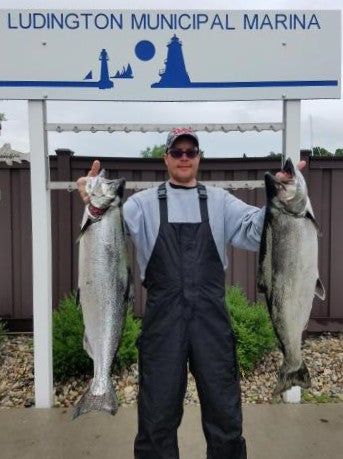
[
  {"x": 162, "y": 198},
  {"x": 203, "y": 202}
]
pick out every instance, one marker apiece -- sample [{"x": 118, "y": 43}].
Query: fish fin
[
  {"x": 264, "y": 263},
  {"x": 320, "y": 290},
  {"x": 87, "y": 345},
  {"x": 300, "y": 377},
  {"x": 106, "y": 402},
  {"x": 310, "y": 216},
  {"x": 84, "y": 228}
]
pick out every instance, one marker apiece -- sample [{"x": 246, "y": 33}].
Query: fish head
[
  {"x": 289, "y": 193},
  {"x": 104, "y": 192}
]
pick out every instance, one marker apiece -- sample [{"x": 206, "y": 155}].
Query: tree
[
  {"x": 320, "y": 151},
  {"x": 275, "y": 155},
  {"x": 157, "y": 151},
  {"x": 2, "y": 118},
  {"x": 339, "y": 152}
]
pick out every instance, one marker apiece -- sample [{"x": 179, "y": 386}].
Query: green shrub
[
  {"x": 128, "y": 353},
  {"x": 2, "y": 331},
  {"x": 69, "y": 357},
  {"x": 253, "y": 329},
  {"x": 251, "y": 324}
]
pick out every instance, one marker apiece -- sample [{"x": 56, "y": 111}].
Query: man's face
[{"x": 182, "y": 170}]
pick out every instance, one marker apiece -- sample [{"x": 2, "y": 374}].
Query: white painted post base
[{"x": 292, "y": 395}]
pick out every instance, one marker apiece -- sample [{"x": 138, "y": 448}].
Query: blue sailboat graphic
[
  {"x": 89, "y": 76},
  {"x": 126, "y": 72}
]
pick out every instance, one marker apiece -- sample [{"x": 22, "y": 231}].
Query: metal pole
[
  {"x": 291, "y": 132},
  {"x": 291, "y": 149},
  {"x": 137, "y": 186},
  {"x": 137, "y": 127},
  {"x": 41, "y": 254}
]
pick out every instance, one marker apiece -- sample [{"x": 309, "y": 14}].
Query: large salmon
[
  {"x": 103, "y": 288},
  {"x": 288, "y": 272}
]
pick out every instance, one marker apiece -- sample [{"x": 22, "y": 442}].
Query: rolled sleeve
[
  {"x": 133, "y": 218},
  {"x": 243, "y": 223}
]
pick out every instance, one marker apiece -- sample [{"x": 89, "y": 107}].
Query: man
[{"x": 181, "y": 230}]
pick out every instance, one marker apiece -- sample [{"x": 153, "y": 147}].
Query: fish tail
[
  {"x": 106, "y": 402},
  {"x": 300, "y": 377}
]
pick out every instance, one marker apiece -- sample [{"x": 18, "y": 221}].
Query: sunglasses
[{"x": 176, "y": 153}]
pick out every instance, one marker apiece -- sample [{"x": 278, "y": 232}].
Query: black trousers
[{"x": 209, "y": 347}]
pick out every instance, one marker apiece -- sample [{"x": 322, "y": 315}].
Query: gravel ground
[{"x": 323, "y": 355}]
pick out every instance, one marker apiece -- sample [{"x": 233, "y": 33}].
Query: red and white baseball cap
[{"x": 177, "y": 132}]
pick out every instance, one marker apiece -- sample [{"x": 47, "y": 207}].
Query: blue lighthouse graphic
[
  {"x": 174, "y": 75},
  {"x": 104, "y": 82}
]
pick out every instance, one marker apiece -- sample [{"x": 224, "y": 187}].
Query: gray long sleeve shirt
[{"x": 231, "y": 220}]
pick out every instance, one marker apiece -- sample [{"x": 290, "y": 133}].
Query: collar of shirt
[{"x": 181, "y": 186}]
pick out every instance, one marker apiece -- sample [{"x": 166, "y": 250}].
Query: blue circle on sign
[{"x": 145, "y": 50}]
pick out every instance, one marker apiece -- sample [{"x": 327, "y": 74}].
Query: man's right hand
[{"x": 81, "y": 182}]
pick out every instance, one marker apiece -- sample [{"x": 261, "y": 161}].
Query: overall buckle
[
  {"x": 162, "y": 193},
  {"x": 202, "y": 192}
]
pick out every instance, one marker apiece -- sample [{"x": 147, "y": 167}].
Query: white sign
[{"x": 169, "y": 55}]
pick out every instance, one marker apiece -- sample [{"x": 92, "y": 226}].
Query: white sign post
[
  {"x": 41, "y": 255},
  {"x": 154, "y": 56},
  {"x": 291, "y": 149},
  {"x": 291, "y": 133}
]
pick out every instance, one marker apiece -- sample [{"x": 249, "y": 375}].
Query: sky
[{"x": 326, "y": 115}]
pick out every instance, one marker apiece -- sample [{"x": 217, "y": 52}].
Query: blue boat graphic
[
  {"x": 89, "y": 76},
  {"x": 126, "y": 72}
]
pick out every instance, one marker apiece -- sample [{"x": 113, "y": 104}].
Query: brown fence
[{"x": 324, "y": 177}]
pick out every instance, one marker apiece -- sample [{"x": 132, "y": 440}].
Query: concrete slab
[{"x": 272, "y": 432}]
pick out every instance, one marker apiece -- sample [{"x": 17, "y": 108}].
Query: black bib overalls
[{"x": 186, "y": 320}]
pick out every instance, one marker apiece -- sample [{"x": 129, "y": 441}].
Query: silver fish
[
  {"x": 288, "y": 269},
  {"x": 104, "y": 282}
]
